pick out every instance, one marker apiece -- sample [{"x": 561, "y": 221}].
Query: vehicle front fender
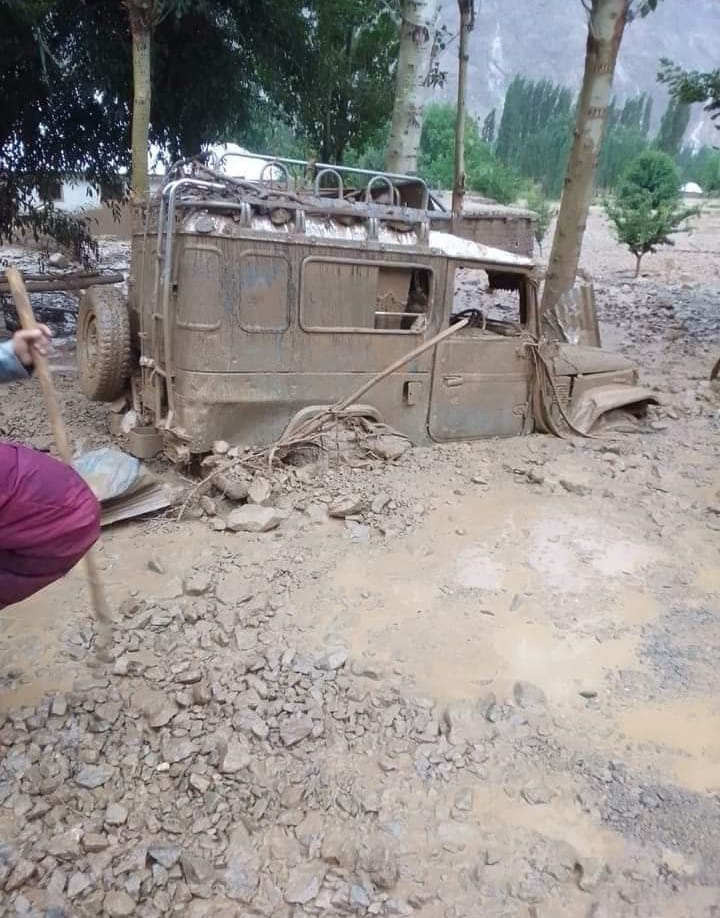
[{"x": 589, "y": 407}]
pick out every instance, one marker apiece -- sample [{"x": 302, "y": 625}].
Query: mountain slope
[{"x": 546, "y": 39}]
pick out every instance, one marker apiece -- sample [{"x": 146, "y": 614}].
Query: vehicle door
[{"x": 480, "y": 375}]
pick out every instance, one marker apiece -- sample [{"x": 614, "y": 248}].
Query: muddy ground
[{"x": 494, "y": 692}]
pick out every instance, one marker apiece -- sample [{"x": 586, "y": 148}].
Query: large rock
[
  {"x": 296, "y": 728},
  {"x": 118, "y": 904},
  {"x": 234, "y": 756},
  {"x": 92, "y": 776},
  {"x": 304, "y": 882},
  {"x": 252, "y": 518},
  {"x": 242, "y": 872}
]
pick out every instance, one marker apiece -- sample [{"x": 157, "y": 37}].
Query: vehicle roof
[{"x": 467, "y": 250}]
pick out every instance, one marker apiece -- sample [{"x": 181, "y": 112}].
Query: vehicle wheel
[{"x": 103, "y": 344}]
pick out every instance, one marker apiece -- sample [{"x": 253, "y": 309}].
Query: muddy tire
[{"x": 103, "y": 344}]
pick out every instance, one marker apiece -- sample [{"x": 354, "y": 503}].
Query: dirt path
[{"x": 495, "y": 694}]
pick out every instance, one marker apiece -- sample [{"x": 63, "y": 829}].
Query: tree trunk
[
  {"x": 606, "y": 24},
  {"x": 638, "y": 259},
  {"x": 141, "y": 24},
  {"x": 417, "y": 30},
  {"x": 467, "y": 20}
]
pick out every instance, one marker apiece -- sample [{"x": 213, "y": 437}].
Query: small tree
[
  {"x": 645, "y": 209},
  {"x": 544, "y": 213}
]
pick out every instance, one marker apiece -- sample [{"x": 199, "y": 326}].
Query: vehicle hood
[{"x": 574, "y": 360}]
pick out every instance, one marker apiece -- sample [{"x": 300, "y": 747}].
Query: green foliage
[
  {"x": 348, "y": 74},
  {"x": 66, "y": 86},
  {"x": 488, "y": 128},
  {"x": 646, "y": 208},
  {"x": 693, "y": 86},
  {"x": 484, "y": 173},
  {"x": 544, "y": 212},
  {"x": 625, "y": 138},
  {"x": 672, "y": 127},
  {"x": 534, "y": 134}
]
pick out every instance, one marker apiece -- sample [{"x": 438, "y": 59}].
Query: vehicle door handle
[{"x": 452, "y": 381}]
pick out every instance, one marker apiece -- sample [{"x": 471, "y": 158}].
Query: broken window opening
[{"x": 493, "y": 311}]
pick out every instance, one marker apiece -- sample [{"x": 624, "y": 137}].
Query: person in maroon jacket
[{"x": 49, "y": 517}]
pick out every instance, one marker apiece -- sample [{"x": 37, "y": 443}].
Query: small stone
[
  {"x": 588, "y": 692},
  {"x": 116, "y": 815},
  {"x": 358, "y": 897},
  {"x": 64, "y": 847},
  {"x": 77, "y": 883},
  {"x": 218, "y": 525},
  {"x": 254, "y": 519},
  {"x": 177, "y": 750},
  {"x": 377, "y": 860},
  {"x": 201, "y": 693},
  {"x": 196, "y": 869},
  {"x": 21, "y": 873},
  {"x": 345, "y": 506},
  {"x": 234, "y": 757},
  {"x": 233, "y": 488},
  {"x": 390, "y": 447},
  {"x": 197, "y": 584},
  {"x": 118, "y": 904},
  {"x": 260, "y": 492},
  {"x": 528, "y": 695},
  {"x": 242, "y": 873},
  {"x": 156, "y": 565},
  {"x": 294, "y": 729},
  {"x": 58, "y": 260},
  {"x": 92, "y": 776},
  {"x": 304, "y": 882},
  {"x": 59, "y": 706},
  {"x": 220, "y": 447},
  {"x": 155, "y": 706},
  {"x": 336, "y": 659},
  {"x": 537, "y": 795},
  {"x": 188, "y": 676},
  {"x": 165, "y": 855},
  {"x": 93, "y": 842}
]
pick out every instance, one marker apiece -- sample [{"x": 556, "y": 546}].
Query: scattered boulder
[
  {"x": 346, "y": 506},
  {"x": 254, "y": 519},
  {"x": 260, "y": 492}
]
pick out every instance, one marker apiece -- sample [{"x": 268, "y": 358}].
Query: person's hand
[{"x": 32, "y": 343}]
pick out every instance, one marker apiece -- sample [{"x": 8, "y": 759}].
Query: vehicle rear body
[{"x": 263, "y": 302}]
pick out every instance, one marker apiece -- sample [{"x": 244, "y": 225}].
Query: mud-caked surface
[{"x": 479, "y": 680}]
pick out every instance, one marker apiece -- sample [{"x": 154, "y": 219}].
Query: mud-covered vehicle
[{"x": 253, "y": 301}]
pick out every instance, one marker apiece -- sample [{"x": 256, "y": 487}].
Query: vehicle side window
[
  {"x": 343, "y": 295},
  {"x": 494, "y": 300}
]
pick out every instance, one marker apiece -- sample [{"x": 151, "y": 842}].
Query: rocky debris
[
  {"x": 234, "y": 756},
  {"x": 92, "y": 776},
  {"x": 234, "y": 489},
  {"x": 389, "y": 446},
  {"x": 118, "y": 904},
  {"x": 304, "y": 882},
  {"x": 197, "y": 584},
  {"x": 346, "y": 506},
  {"x": 294, "y": 729},
  {"x": 116, "y": 814},
  {"x": 260, "y": 492},
  {"x": 21, "y": 873},
  {"x": 254, "y": 519}
]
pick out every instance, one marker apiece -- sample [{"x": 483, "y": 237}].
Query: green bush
[{"x": 646, "y": 207}]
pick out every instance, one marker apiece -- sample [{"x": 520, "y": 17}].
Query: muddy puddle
[{"x": 490, "y": 593}]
